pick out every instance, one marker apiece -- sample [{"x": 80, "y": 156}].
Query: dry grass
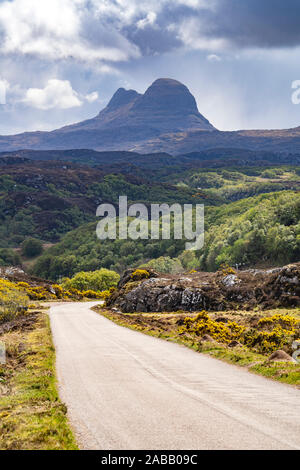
[{"x": 31, "y": 414}]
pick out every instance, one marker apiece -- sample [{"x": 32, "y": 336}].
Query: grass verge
[
  {"x": 32, "y": 417},
  {"x": 164, "y": 326}
]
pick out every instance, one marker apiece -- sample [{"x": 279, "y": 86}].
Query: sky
[{"x": 62, "y": 60}]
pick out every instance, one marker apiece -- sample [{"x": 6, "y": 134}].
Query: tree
[
  {"x": 165, "y": 264},
  {"x": 31, "y": 247},
  {"x": 99, "y": 280},
  {"x": 9, "y": 258}
]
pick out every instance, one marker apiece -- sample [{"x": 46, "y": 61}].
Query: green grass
[
  {"x": 32, "y": 417},
  {"x": 284, "y": 372}
]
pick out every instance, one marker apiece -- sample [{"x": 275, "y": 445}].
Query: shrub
[
  {"x": 268, "y": 341},
  {"x": 165, "y": 264},
  {"x": 31, "y": 247},
  {"x": 139, "y": 274},
  {"x": 13, "y": 301},
  {"x": 8, "y": 257},
  {"x": 275, "y": 332},
  {"x": 202, "y": 324},
  {"x": 99, "y": 280}
]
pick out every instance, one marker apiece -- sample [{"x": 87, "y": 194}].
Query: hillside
[
  {"x": 46, "y": 199},
  {"x": 264, "y": 229}
]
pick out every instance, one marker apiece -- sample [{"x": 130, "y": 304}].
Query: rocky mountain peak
[
  {"x": 121, "y": 98},
  {"x": 168, "y": 95}
]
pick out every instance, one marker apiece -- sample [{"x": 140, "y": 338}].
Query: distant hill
[
  {"x": 160, "y": 163},
  {"x": 164, "y": 119}
]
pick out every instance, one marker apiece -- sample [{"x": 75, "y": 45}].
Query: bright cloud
[
  {"x": 91, "y": 97},
  {"x": 214, "y": 58},
  {"x": 56, "y": 94},
  {"x": 54, "y": 29},
  {"x": 149, "y": 20}
]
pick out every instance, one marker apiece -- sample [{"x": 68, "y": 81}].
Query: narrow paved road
[{"x": 126, "y": 390}]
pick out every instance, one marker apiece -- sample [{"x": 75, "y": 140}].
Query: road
[{"x": 126, "y": 390}]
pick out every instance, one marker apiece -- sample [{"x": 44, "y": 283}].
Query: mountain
[
  {"x": 167, "y": 106},
  {"x": 163, "y": 119}
]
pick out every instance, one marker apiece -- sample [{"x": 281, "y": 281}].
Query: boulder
[
  {"x": 235, "y": 344},
  {"x": 280, "y": 356}
]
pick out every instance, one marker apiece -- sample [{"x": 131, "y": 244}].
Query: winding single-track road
[{"x": 126, "y": 390}]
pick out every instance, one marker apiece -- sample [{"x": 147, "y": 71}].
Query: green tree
[
  {"x": 31, "y": 247},
  {"x": 99, "y": 280}
]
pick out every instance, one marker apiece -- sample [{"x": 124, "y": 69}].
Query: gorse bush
[
  {"x": 270, "y": 333},
  {"x": 13, "y": 301},
  {"x": 203, "y": 324},
  {"x": 139, "y": 274},
  {"x": 99, "y": 280},
  {"x": 268, "y": 341},
  {"x": 15, "y": 297},
  {"x": 275, "y": 332}
]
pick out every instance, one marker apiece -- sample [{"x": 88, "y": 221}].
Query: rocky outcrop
[{"x": 209, "y": 291}]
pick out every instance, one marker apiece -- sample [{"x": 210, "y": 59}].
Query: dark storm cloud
[
  {"x": 241, "y": 23},
  {"x": 259, "y": 23}
]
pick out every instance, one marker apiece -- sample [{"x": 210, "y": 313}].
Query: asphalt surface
[{"x": 126, "y": 390}]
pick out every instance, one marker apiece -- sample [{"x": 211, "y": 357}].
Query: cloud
[
  {"x": 91, "y": 97},
  {"x": 245, "y": 24},
  {"x": 56, "y": 94},
  {"x": 214, "y": 58},
  {"x": 101, "y": 33},
  {"x": 59, "y": 29},
  {"x": 4, "y": 87},
  {"x": 148, "y": 20}
]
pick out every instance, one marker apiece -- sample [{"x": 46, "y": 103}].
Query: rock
[
  {"x": 235, "y": 344},
  {"x": 221, "y": 320},
  {"x": 230, "y": 280},
  {"x": 122, "y": 98},
  {"x": 208, "y": 291},
  {"x": 280, "y": 356},
  {"x": 288, "y": 280},
  {"x": 207, "y": 338}
]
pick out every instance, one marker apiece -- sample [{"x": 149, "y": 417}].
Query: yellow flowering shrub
[
  {"x": 226, "y": 269},
  {"x": 13, "y": 300},
  {"x": 275, "y": 332},
  {"x": 139, "y": 274},
  {"x": 202, "y": 324},
  {"x": 268, "y": 341},
  {"x": 271, "y": 333},
  {"x": 285, "y": 321},
  {"x": 15, "y": 297}
]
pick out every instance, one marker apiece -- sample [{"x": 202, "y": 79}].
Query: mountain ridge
[{"x": 163, "y": 119}]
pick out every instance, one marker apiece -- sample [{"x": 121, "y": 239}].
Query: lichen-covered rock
[
  {"x": 230, "y": 280},
  {"x": 208, "y": 291}
]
